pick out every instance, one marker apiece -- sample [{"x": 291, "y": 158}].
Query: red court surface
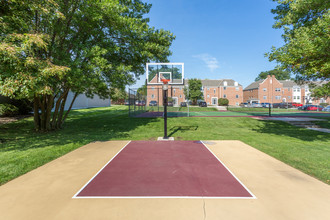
[{"x": 164, "y": 169}]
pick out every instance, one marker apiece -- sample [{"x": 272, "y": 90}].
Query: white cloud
[{"x": 211, "y": 62}]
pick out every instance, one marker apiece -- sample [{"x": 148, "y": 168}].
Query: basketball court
[{"x": 165, "y": 180}]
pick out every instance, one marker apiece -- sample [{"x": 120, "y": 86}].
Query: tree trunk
[
  {"x": 36, "y": 113},
  {"x": 60, "y": 114}
]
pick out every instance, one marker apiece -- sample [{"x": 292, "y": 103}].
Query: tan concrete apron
[{"x": 282, "y": 192}]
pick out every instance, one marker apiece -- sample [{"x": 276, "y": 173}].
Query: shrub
[
  {"x": 324, "y": 104},
  {"x": 223, "y": 101},
  {"x": 24, "y": 106},
  {"x": 8, "y": 110}
]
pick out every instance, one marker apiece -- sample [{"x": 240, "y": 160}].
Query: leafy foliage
[
  {"x": 8, "y": 110},
  {"x": 49, "y": 48},
  {"x": 119, "y": 95},
  {"x": 223, "y": 102},
  {"x": 321, "y": 91},
  {"x": 194, "y": 91},
  {"x": 278, "y": 73},
  {"x": 306, "y": 36}
]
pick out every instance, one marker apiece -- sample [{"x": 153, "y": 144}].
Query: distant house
[
  {"x": 271, "y": 90},
  {"x": 212, "y": 91},
  {"x": 222, "y": 88}
]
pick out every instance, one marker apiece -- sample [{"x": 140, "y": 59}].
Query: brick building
[
  {"x": 271, "y": 90},
  {"x": 223, "y": 88},
  {"x": 212, "y": 91}
]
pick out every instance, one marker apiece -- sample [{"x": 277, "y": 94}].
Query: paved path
[{"x": 281, "y": 191}]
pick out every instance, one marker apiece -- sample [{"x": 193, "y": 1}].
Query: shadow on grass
[
  {"x": 20, "y": 136},
  {"x": 284, "y": 129},
  {"x": 182, "y": 129}
]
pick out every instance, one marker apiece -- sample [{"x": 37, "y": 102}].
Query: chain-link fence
[{"x": 145, "y": 102}]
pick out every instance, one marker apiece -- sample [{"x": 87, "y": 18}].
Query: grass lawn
[{"x": 22, "y": 149}]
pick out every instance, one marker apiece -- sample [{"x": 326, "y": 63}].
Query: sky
[{"x": 218, "y": 39}]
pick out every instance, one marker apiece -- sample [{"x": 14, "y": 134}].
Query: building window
[
  {"x": 174, "y": 91},
  {"x": 152, "y": 96},
  {"x": 289, "y": 97},
  {"x": 298, "y": 97},
  {"x": 289, "y": 89},
  {"x": 224, "y": 88},
  {"x": 298, "y": 89},
  {"x": 180, "y": 88},
  {"x": 214, "y": 91},
  {"x": 265, "y": 89},
  {"x": 237, "y": 103},
  {"x": 294, "y": 90},
  {"x": 294, "y": 97},
  {"x": 208, "y": 88},
  {"x": 152, "y": 88},
  {"x": 278, "y": 97},
  {"x": 265, "y": 97},
  {"x": 208, "y": 96},
  {"x": 277, "y": 89},
  {"x": 224, "y": 95},
  {"x": 237, "y": 88},
  {"x": 180, "y": 96},
  {"x": 237, "y": 96}
]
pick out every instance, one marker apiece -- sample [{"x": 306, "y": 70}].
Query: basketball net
[{"x": 165, "y": 81}]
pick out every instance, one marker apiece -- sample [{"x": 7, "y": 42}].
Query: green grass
[
  {"x": 22, "y": 149},
  {"x": 323, "y": 124}
]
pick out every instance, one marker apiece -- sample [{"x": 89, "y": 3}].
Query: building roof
[
  {"x": 218, "y": 82},
  {"x": 254, "y": 85},
  {"x": 288, "y": 83}
]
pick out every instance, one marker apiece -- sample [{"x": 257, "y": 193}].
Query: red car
[
  {"x": 296, "y": 105},
  {"x": 314, "y": 108}
]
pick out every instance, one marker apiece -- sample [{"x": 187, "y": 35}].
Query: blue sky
[{"x": 218, "y": 39}]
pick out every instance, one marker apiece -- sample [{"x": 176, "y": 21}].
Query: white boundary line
[
  {"x": 163, "y": 197},
  {"x": 75, "y": 196},
  {"x": 253, "y": 196}
]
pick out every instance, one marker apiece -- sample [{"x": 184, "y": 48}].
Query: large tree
[
  {"x": 306, "y": 39},
  {"x": 278, "y": 73},
  {"x": 194, "y": 90},
  {"x": 48, "y": 48}
]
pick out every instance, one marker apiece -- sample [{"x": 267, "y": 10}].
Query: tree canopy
[
  {"x": 278, "y": 73},
  {"x": 194, "y": 91},
  {"x": 306, "y": 37},
  {"x": 48, "y": 48}
]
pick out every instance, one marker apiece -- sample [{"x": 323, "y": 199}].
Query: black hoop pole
[{"x": 165, "y": 114}]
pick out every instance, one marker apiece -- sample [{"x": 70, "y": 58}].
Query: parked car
[
  {"x": 296, "y": 105},
  {"x": 244, "y": 104},
  {"x": 326, "y": 109},
  {"x": 265, "y": 104},
  {"x": 170, "y": 104},
  {"x": 183, "y": 104},
  {"x": 140, "y": 103},
  {"x": 314, "y": 108},
  {"x": 304, "y": 107},
  {"x": 282, "y": 105},
  {"x": 153, "y": 103},
  {"x": 202, "y": 104},
  {"x": 256, "y": 105}
]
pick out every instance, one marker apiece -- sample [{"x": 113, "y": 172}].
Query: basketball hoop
[{"x": 165, "y": 81}]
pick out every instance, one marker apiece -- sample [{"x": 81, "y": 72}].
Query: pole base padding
[{"x": 165, "y": 139}]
